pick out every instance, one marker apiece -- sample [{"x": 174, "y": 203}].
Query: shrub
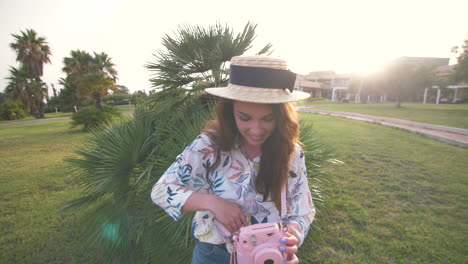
[
  {"x": 12, "y": 110},
  {"x": 91, "y": 116}
]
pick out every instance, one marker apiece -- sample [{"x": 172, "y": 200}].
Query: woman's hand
[
  {"x": 290, "y": 243},
  {"x": 229, "y": 214}
]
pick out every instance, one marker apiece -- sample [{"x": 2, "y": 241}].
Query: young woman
[{"x": 235, "y": 170}]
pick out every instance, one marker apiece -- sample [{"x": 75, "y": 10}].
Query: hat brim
[{"x": 257, "y": 95}]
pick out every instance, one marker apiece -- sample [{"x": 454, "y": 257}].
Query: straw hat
[{"x": 259, "y": 79}]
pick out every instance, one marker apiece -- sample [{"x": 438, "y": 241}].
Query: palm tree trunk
[
  {"x": 98, "y": 97},
  {"x": 42, "y": 107},
  {"x": 34, "y": 109}
]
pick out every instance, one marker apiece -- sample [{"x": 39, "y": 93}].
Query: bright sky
[{"x": 345, "y": 36}]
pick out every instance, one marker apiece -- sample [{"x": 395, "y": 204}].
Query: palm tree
[
  {"x": 16, "y": 87},
  {"x": 96, "y": 85},
  {"x": 77, "y": 64},
  {"x": 104, "y": 64},
  {"x": 90, "y": 76},
  {"x": 196, "y": 57},
  {"x": 24, "y": 87},
  {"x": 461, "y": 68},
  {"x": 32, "y": 52}
]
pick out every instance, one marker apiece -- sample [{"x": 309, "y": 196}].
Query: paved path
[
  {"x": 35, "y": 121},
  {"x": 450, "y": 135},
  {"x": 43, "y": 120}
]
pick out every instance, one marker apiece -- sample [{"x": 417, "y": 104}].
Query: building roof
[
  {"x": 320, "y": 75},
  {"x": 301, "y": 81},
  {"x": 309, "y": 84},
  {"x": 426, "y": 60}
]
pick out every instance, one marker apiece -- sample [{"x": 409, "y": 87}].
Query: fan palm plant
[
  {"x": 116, "y": 169},
  {"x": 196, "y": 57},
  {"x": 119, "y": 165}
]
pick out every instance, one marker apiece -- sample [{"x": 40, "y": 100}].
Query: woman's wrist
[{"x": 295, "y": 230}]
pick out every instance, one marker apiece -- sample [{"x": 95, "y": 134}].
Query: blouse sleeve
[
  {"x": 185, "y": 176},
  {"x": 301, "y": 207}
]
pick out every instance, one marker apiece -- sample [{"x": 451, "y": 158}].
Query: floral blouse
[{"x": 232, "y": 180}]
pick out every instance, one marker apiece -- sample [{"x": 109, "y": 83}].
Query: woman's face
[{"x": 255, "y": 122}]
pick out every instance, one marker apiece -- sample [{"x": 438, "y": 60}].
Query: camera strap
[{"x": 284, "y": 207}]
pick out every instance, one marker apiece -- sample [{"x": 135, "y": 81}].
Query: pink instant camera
[{"x": 259, "y": 244}]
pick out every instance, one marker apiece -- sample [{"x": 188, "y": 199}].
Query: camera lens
[{"x": 269, "y": 261}]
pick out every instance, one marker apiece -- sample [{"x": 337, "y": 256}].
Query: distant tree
[
  {"x": 195, "y": 57},
  {"x": 97, "y": 86},
  {"x": 403, "y": 80},
  {"x": 103, "y": 63},
  {"x": 122, "y": 89},
  {"x": 17, "y": 87},
  {"x": 461, "y": 69},
  {"x": 118, "y": 99},
  {"x": 54, "y": 90},
  {"x": 138, "y": 97},
  {"x": 32, "y": 53},
  {"x": 67, "y": 96},
  {"x": 3, "y": 97},
  {"x": 23, "y": 86},
  {"x": 369, "y": 85},
  {"x": 425, "y": 76},
  {"x": 88, "y": 76}
]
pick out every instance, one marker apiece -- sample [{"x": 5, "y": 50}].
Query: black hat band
[{"x": 262, "y": 77}]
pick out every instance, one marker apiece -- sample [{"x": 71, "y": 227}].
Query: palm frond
[{"x": 195, "y": 57}]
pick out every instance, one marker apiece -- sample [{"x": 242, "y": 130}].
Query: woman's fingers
[
  {"x": 244, "y": 219},
  {"x": 288, "y": 249},
  {"x": 292, "y": 259},
  {"x": 289, "y": 245},
  {"x": 229, "y": 214},
  {"x": 290, "y": 240}
]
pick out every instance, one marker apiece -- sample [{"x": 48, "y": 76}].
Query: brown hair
[{"x": 276, "y": 150}]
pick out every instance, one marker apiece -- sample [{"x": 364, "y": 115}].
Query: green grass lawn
[
  {"x": 398, "y": 197},
  {"x": 125, "y": 108},
  {"x": 34, "y": 184},
  {"x": 443, "y": 114}
]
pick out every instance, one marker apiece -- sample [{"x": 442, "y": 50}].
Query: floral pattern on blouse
[{"x": 232, "y": 180}]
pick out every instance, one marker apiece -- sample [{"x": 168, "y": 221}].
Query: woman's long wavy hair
[{"x": 276, "y": 150}]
